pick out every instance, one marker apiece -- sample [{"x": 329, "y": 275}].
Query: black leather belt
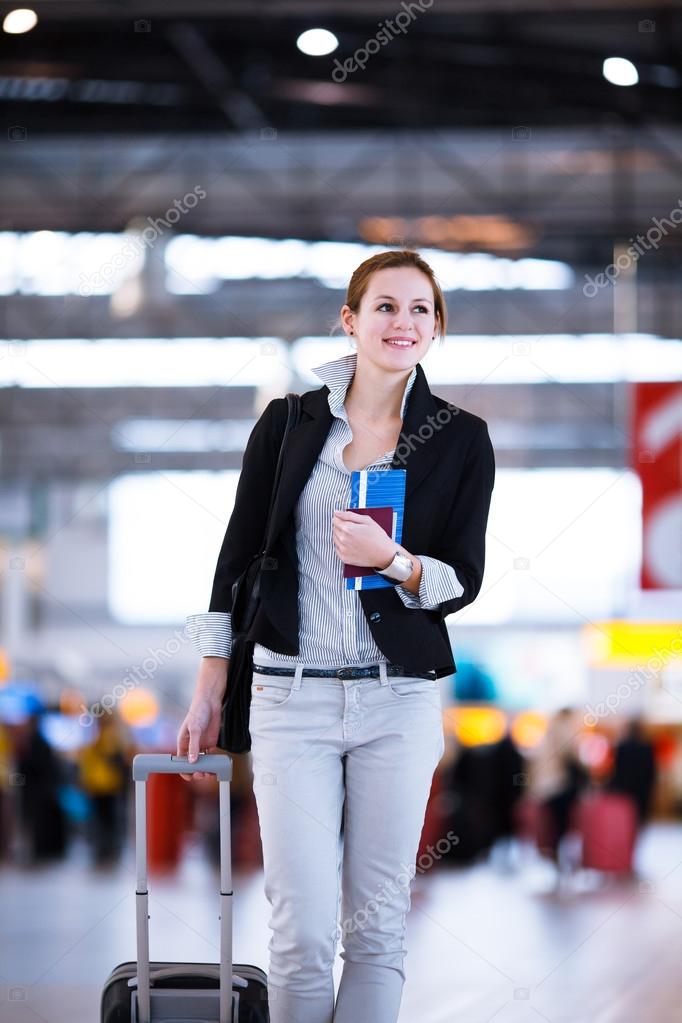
[{"x": 369, "y": 672}]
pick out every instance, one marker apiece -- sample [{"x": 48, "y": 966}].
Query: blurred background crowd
[{"x": 575, "y": 794}]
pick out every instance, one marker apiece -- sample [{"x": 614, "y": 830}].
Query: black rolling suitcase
[{"x": 184, "y": 992}]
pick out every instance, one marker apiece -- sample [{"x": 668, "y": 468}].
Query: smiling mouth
[{"x": 399, "y": 342}]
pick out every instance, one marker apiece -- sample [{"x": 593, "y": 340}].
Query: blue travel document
[{"x": 378, "y": 488}]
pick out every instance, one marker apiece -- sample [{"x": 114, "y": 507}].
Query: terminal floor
[{"x": 486, "y": 943}]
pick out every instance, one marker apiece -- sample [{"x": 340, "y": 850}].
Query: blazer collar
[{"x": 415, "y": 452}]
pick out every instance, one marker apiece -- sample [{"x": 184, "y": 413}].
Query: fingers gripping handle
[{"x": 145, "y": 764}]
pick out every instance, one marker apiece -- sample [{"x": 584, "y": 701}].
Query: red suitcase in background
[{"x": 608, "y": 827}]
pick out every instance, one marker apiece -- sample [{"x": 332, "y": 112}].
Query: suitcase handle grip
[{"x": 145, "y": 764}]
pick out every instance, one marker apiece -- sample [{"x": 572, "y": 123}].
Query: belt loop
[
  {"x": 383, "y": 675},
  {"x": 298, "y": 674}
]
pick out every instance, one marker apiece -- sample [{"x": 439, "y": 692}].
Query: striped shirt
[{"x": 333, "y": 629}]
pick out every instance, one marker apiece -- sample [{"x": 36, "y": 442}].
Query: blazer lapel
[{"x": 414, "y": 452}]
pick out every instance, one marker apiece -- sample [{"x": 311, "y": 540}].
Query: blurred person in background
[
  {"x": 507, "y": 790},
  {"x": 556, "y": 777},
  {"x": 478, "y": 790},
  {"x": 104, "y": 772},
  {"x": 634, "y": 767},
  {"x": 40, "y": 774},
  {"x": 6, "y": 770}
]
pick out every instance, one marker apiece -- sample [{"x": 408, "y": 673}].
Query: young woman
[{"x": 346, "y": 720}]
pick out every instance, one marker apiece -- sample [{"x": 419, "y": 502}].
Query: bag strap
[{"x": 293, "y": 416}]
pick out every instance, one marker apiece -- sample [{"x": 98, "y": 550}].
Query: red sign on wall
[{"x": 657, "y": 458}]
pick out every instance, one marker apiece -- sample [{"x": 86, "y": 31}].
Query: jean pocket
[
  {"x": 403, "y": 687},
  {"x": 269, "y": 692}
]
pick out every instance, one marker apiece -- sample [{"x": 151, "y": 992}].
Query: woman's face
[{"x": 397, "y": 306}]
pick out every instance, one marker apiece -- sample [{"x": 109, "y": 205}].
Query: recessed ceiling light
[
  {"x": 21, "y": 20},
  {"x": 620, "y": 71},
  {"x": 316, "y": 42}
]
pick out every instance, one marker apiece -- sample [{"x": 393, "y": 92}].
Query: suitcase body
[
  {"x": 608, "y": 827},
  {"x": 185, "y": 991},
  {"x": 144, "y": 992}
]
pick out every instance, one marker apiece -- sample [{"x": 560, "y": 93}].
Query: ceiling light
[
  {"x": 21, "y": 20},
  {"x": 620, "y": 71},
  {"x": 317, "y": 42}
]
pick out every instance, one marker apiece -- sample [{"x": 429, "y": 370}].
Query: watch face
[{"x": 401, "y": 568}]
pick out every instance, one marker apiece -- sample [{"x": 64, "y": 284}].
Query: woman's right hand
[{"x": 201, "y": 726}]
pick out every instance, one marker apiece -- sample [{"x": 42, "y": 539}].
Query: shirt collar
[{"x": 337, "y": 375}]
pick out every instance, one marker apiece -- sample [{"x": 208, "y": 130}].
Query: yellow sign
[{"x": 632, "y": 644}]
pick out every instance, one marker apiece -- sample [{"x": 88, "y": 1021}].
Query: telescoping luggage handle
[{"x": 145, "y": 764}]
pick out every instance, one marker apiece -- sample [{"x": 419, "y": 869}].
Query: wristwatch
[{"x": 399, "y": 570}]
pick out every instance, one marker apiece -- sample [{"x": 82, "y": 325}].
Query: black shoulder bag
[{"x": 234, "y": 731}]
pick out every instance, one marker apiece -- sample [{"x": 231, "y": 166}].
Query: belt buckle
[{"x": 344, "y": 673}]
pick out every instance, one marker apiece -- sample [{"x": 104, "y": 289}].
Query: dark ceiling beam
[{"x": 279, "y": 9}]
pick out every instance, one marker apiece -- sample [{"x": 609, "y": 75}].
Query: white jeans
[{"x": 316, "y": 742}]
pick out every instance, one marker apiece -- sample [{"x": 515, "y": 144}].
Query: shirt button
[
  {"x": 348, "y": 613},
  {"x": 375, "y": 616}
]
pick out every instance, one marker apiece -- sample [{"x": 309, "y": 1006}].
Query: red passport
[{"x": 384, "y": 516}]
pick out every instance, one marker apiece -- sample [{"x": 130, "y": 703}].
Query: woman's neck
[{"x": 374, "y": 394}]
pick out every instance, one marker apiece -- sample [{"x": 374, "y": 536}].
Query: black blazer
[{"x": 450, "y": 475}]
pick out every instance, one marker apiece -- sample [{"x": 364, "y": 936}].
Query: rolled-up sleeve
[
  {"x": 438, "y": 583},
  {"x": 210, "y": 633}
]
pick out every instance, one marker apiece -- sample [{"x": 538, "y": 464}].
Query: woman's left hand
[{"x": 359, "y": 540}]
